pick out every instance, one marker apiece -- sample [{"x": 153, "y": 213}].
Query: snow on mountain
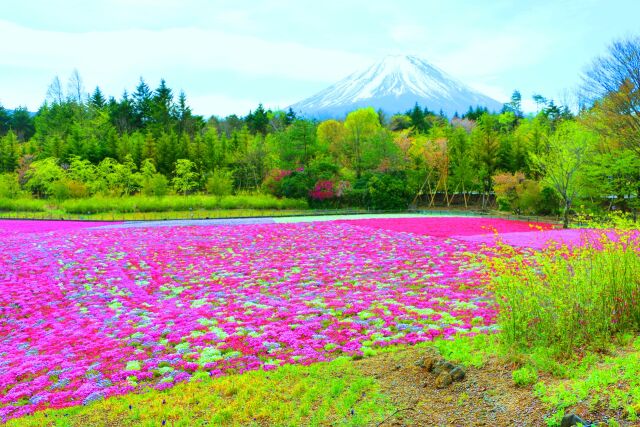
[{"x": 394, "y": 85}]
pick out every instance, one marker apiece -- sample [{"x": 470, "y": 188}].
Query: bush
[
  {"x": 9, "y": 186},
  {"x": 549, "y": 202},
  {"x": 568, "y": 299},
  {"x": 58, "y": 190},
  {"x": 297, "y": 185},
  {"x": 524, "y": 376},
  {"x": 220, "y": 183},
  {"x": 387, "y": 192},
  {"x": 157, "y": 185},
  {"x": 177, "y": 203},
  {"x": 23, "y": 205}
]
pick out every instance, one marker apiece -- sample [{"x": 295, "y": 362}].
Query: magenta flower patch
[{"x": 90, "y": 313}]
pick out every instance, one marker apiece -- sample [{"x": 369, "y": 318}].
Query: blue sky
[{"x": 229, "y": 56}]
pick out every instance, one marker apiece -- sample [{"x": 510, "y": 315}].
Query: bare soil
[{"x": 485, "y": 397}]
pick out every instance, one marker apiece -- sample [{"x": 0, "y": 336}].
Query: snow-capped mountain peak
[{"x": 395, "y": 84}]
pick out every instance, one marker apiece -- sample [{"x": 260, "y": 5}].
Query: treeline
[{"x": 150, "y": 142}]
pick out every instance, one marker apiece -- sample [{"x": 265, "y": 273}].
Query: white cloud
[
  {"x": 116, "y": 59},
  {"x": 137, "y": 51},
  {"x": 222, "y": 105}
]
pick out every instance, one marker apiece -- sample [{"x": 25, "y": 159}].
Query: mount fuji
[{"x": 394, "y": 85}]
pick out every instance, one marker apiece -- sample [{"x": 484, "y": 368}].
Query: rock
[
  {"x": 426, "y": 362},
  {"x": 443, "y": 366},
  {"x": 443, "y": 380},
  {"x": 457, "y": 374},
  {"x": 570, "y": 420}
]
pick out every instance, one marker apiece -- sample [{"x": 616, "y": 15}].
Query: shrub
[
  {"x": 516, "y": 193},
  {"x": 567, "y": 299},
  {"x": 59, "y": 190},
  {"x": 220, "y": 183},
  {"x": 9, "y": 186},
  {"x": 549, "y": 202},
  {"x": 524, "y": 376},
  {"x": 323, "y": 190},
  {"x": 23, "y": 205},
  {"x": 157, "y": 185},
  {"x": 296, "y": 185},
  {"x": 387, "y": 192}
]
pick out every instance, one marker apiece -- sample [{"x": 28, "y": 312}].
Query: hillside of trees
[{"x": 78, "y": 145}]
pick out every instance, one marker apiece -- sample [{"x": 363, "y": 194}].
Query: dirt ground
[{"x": 485, "y": 397}]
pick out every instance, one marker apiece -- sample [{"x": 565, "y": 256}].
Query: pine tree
[
  {"x": 141, "y": 105},
  {"x": 96, "y": 100}
]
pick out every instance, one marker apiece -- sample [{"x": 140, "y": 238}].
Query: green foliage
[
  {"x": 105, "y": 145},
  {"x": 387, "y": 192},
  {"x": 470, "y": 351},
  {"x": 23, "y": 205},
  {"x": 156, "y": 185},
  {"x": 563, "y": 164},
  {"x": 177, "y": 203},
  {"x": 297, "y": 185},
  {"x": 517, "y": 194},
  {"x": 597, "y": 381},
  {"x": 333, "y": 393},
  {"x": 580, "y": 299},
  {"x": 42, "y": 176},
  {"x": 185, "y": 179},
  {"x": 220, "y": 183},
  {"x": 524, "y": 376},
  {"x": 9, "y": 186}
]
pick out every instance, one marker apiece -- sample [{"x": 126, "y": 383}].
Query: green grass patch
[
  {"x": 145, "y": 206},
  {"x": 23, "y": 205},
  {"x": 599, "y": 382},
  {"x": 333, "y": 393}
]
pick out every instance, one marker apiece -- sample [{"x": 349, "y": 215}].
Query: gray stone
[
  {"x": 443, "y": 380},
  {"x": 457, "y": 373},
  {"x": 570, "y": 420}
]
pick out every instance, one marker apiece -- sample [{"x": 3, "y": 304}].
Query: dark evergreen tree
[
  {"x": 258, "y": 120},
  {"x": 22, "y": 123},
  {"x": 141, "y": 104},
  {"x": 96, "y": 100}
]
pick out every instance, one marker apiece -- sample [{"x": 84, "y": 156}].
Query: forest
[{"x": 149, "y": 142}]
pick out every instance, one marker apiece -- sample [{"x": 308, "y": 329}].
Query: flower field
[{"x": 89, "y": 312}]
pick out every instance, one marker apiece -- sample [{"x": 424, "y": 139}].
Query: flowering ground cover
[
  {"x": 451, "y": 226},
  {"x": 26, "y": 226},
  {"x": 86, "y": 313}
]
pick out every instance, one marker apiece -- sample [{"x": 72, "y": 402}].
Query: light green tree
[
  {"x": 563, "y": 163},
  {"x": 42, "y": 175},
  {"x": 362, "y": 126},
  {"x": 185, "y": 178}
]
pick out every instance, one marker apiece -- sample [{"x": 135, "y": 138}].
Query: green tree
[
  {"x": 8, "y": 152},
  {"x": 96, "y": 100},
  {"x": 361, "y": 126},
  {"x": 612, "y": 84},
  {"x": 162, "y": 109},
  {"x": 485, "y": 139},
  {"x": 42, "y": 175},
  {"x": 564, "y": 162},
  {"x": 22, "y": 123},
  {"x": 141, "y": 105},
  {"x": 5, "y": 121},
  {"x": 185, "y": 178},
  {"x": 258, "y": 120}
]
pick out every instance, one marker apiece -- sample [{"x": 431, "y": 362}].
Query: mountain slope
[{"x": 394, "y": 85}]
